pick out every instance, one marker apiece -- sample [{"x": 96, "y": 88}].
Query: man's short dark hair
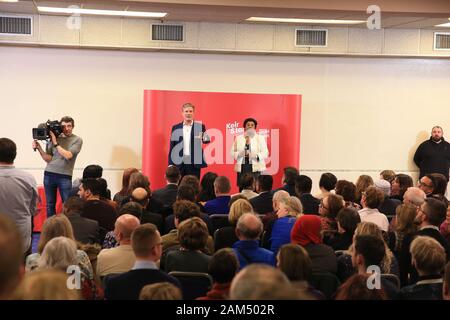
[
  {"x": 68, "y": 119},
  {"x": 222, "y": 184},
  {"x": 223, "y": 266},
  {"x": 435, "y": 210},
  {"x": 93, "y": 185},
  {"x": 133, "y": 208},
  {"x": 172, "y": 174},
  {"x": 193, "y": 234},
  {"x": 184, "y": 210},
  {"x": 348, "y": 219},
  {"x": 439, "y": 182},
  {"x": 265, "y": 182},
  {"x": 303, "y": 184},
  {"x": 143, "y": 239},
  {"x": 74, "y": 204},
  {"x": 92, "y": 171},
  {"x": 8, "y": 150},
  {"x": 371, "y": 248},
  {"x": 346, "y": 189},
  {"x": 250, "y": 120},
  {"x": 327, "y": 181},
  {"x": 186, "y": 193},
  {"x": 290, "y": 174},
  {"x": 246, "y": 181},
  {"x": 374, "y": 197}
]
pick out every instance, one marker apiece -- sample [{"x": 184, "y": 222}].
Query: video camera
[{"x": 42, "y": 132}]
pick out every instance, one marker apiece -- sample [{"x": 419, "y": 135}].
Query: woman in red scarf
[{"x": 307, "y": 233}]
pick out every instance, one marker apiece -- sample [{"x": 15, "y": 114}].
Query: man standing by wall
[
  {"x": 18, "y": 192},
  {"x": 60, "y": 154},
  {"x": 433, "y": 155},
  {"x": 186, "y": 142}
]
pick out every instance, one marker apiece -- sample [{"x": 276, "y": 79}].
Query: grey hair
[
  {"x": 59, "y": 253},
  {"x": 249, "y": 232}
]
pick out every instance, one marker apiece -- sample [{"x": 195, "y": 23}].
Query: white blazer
[{"x": 258, "y": 152}]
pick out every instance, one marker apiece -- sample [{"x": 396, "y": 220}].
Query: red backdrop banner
[{"x": 223, "y": 114}]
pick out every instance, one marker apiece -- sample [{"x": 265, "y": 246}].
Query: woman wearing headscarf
[{"x": 307, "y": 233}]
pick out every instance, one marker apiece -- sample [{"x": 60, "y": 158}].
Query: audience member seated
[
  {"x": 121, "y": 258},
  {"x": 269, "y": 218},
  {"x": 327, "y": 184},
  {"x": 192, "y": 235},
  {"x": 11, "y": 258},
  {"x": 404, "y": 227},
  {"x": 388, "y": 175},
  {"x": 248, "y": 231},
  {"x": 388, "y": 205},
  {"x": 428, "y": 258},
  {"x": 371, "y": 200},
  {"x": 262, "y": 204},
  {"x": 183, "y": 210},
  {"x": 347, "y": 221},
  {"x": 445, "y": 226},
  {"x": 399, "y": 185},
  {"x": 368, "y": 253},
  {"x": 347, "y": 190},
  {"x": 222, "y": 267},
  {"x": 364, "y": 181},
  {"x": 46, "y": 284},
  {"x": 85, "y": 230},
  {"x": 290, "y": 209},
  {"x": 329, "y": 207},
  {"x": 225, "y": 237},
  {"x": 295, "y": 263},
  {"x": 429, "y": 217},
  {"x": 446, "y": 285},
  {"x": 247, "y": 185},
  {"x": 389, "y": 264},
  {"x": 94, "y": 208},
  {"x": 193, "y": 182},
  {"x": 303, "y": 186},
  {"x": 413, "y": 196},
  {"x": 262, "y": 282},
  {"x": 146, "y": 243},
  {"x": 207, "y": 191},
  {"x": 219, "y": 205},
  {"x": 123, "y": 193},
  {"x": 91, "y": 171},
  {"x": 440, "y": 187},
  {"x": 161, "y": 291},
  {"x": 58, "y": 226},
  {"x": 426, "y": 184},
  {"x": 140, "y": 195},
  {"x": 289, "y": 176},
  {"x": 61, "y": 253},
  {"x": 307, "y": 233},
  {"x": 168, "y": 195},
  {"x": 355, "y": 288}
]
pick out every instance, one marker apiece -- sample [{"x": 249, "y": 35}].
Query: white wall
[{"x": 360, "y": 115}]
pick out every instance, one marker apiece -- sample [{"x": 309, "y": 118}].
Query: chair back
[{"x": 193, "y": 284}]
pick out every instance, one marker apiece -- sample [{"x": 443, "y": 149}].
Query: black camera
[{"x": 42, "y": 132}]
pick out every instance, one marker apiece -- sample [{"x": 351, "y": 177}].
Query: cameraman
[{"x": 60, "y": 155}]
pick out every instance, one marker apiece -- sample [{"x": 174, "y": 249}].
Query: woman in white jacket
[{"x": 250, "y": 151}]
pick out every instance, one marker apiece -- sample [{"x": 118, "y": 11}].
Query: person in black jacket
[
  {"x": 168, "y": 195},
  {"x": 84, "y": 230},
  {"x": 262, "y": 204},
  {"x": 433, "y": 155},
  {"x": 303, "y": 186}
]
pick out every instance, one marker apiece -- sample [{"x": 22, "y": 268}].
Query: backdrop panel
[{"x": 278, "y": 116}]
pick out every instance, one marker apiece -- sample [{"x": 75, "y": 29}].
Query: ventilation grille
[
  {"x": 15, "y": 25},
  {"x": 167, "y": 32},
  {"x": 311, "y": 37},
  {"x": 441, "y": 41}
]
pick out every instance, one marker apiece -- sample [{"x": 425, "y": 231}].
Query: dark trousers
[{"x": 189, "y": 169}]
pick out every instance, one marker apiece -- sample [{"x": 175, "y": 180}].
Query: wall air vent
[
  {"x": 442, "y": 41},
  {"x": 311, "y": 37},
  {"x": 12, "y": 25},
  {"x": 168, "y": 32}
]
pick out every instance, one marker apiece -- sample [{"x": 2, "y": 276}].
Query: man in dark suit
[
  {"x": 186, "y": 142},
  {"x": 303, "y": 186},
  {"x": 262, "y": 204},
  {"x": 429, "y": 217},
  {"x": 289, "y": 176},
  {"x": 84, "y": 230},
  {"x": 147, "y": 247},
  {"x": 168, "y": 194}
]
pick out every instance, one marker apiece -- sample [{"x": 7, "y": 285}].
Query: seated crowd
[{"x": 374, "y": 240}]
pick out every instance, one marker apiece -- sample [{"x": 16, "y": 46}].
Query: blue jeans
[{"x": 52, "y": 183}]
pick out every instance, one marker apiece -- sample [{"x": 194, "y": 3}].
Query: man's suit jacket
[
  {"x": 166, "y": 195},
  {"x": 84, "y": 230},
  {"x": 310, "y": 203},
  {"x": 176, "y": 145},
  {"x": 128, "y": 285},
  {"x": 262, "y": 204}
]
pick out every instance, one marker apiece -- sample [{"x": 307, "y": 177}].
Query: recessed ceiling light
[
  {"x": 309, "y": 21},
  {"x": 447, "y": 25},
  {"x": 140, "y": 14}
]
